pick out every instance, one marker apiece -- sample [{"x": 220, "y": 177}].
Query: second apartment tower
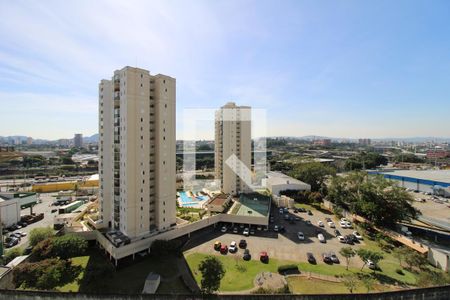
[{"x": 137, "y": 152}]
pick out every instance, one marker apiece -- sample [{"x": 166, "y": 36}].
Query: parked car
[
  {"x": 286, "y": 210},
  {"x": 259, "y": 228},
  {"x": 242, "y": 244},
  {"x": 327, "y": 258},
  {"x": 235, "y": 230},
  {"x": 353, "y": 238},
  {"x": 337, "y": 232},
  {"x": 311, "y": 258},
  {"x": 281, "y": 229},
  {"x": 28, "y": 250},
  {"x": 233, "y": 247},
  {"x": 246, "y": 232},
  {"x": 334, "y": 258},
  {"x": 349, "y": 240},
  {"x": 246, "y": 255},
  {"x": 331, "y": 224},
  {"x": 342, "y": 239},
  {"x": 22, "y": 233},
  {"x": 310, "y": 213},
  {"x": 23, "y": 224},
  {"x": 223, "y": 249},
  {"x": 371, "y": 264},
  {"x": 300, "y": 236},
  {"x": 276, "y": 228},
  {"x": 308, "y": 222},
  {"x": 320, "y": 223},
  {"x": 321, "y": 238},
  {"x": 358, "y": 236},
  {"x": 217, "y": 245},
  {"x": 295, "y": 210},
  {"x": 271, "y": 220},
  {"x": 343, "y": 224},
  {"x": 264, "y": 257},
  {"x": 301, "y": 209},
  {"x": 286, "y": 217},
  {"x": 281, "y": 211},
  {"x": 252, "y": 231},
  {"x": 14, "y": 241}
]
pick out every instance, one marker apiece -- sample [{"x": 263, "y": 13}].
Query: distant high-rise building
[
  {"x": 365, "y": 142},
  {"x": 29, "y": 140},
  {"x": 233, "y": 137},
  {"x": 78, "y": 140},
  {"x": 137, "y": 152},
  {"x": 322, "y": 142}
]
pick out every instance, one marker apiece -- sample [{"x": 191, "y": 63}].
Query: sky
[{"x": 350, "y": 69}]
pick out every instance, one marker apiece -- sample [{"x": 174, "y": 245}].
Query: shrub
[
  {"x": 39, "y": 234},
  {"x": 287, "y": 268},
  {"x": 11, "y": 254},
  {"x": 64, "y": 247}
]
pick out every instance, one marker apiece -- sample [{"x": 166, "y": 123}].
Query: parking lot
[
  {"x": 286, "y": 245},
  {"x": 43, "y": 207}
]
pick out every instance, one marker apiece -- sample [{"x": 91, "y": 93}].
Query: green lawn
[
  {"x": 389, "y": 264},
  {"x": 324, "y": 269},
  {"x": 302, "y": 285},
  {"x": 75, "y": 285},
  {"x": 129, "y": 279},
  {"x": 234, "y": 280}
]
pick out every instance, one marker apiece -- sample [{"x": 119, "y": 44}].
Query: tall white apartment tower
[
  {"x": 233, "y": 146},
  {"x": 137, "y": 152}
]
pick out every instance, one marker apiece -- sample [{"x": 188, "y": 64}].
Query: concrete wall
[
  {"x": 144, "y": 244},
  {"x": 435, "y": 293},
  {"x": 439, "y": 259}
]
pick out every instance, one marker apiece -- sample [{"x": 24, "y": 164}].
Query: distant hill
[{"x": 91, "y": 139}]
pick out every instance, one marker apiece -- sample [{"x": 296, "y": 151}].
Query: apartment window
[
  {"x": 142, "y": 119},
  {"x": 141, "y": 84},
  {"x": 164, "y": 129},
  {"x": 164, "y": 138},
  {"x": 165, "y": 105},
  {"x": 164, "y": 202},
  {"x": 143, "y": 181},
  {"x": 166, "y": 90},
  {"x": 142, "y": 137},
  {"x": 164, "y": 211},
  {"x": 142, "y": 199},
  {"x": 164, "y": 162},
  {"x": 164, "y": 81},
  {"x": 142, "y": 76},
  {"x": 164, "y": 219},
  {"x": 142, "y": 208}
]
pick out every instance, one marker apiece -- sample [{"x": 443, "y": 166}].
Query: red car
[
  {"x": 264, "y": 257},
  {"x": 224, "y": 249}
]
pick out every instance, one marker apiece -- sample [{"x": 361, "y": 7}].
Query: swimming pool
[{"x": 187, "y": 201}]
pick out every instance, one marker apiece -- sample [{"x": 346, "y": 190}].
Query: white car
[
  {"x": 343, "y": 224},
  {"x": 22, "y": 233},
  {"x": 246, "y": 232},
  {"x": 223, "y": 229},
  {"x": 320, "y": 223},
  {"x": 321, "y": 238},
  {"x": 331, "y": 224},
  {"x": 233, "y": 247},
  {"x": 349, "y": 225},
  {"x": 341, "y": 239},
  {"x": 358, "y": 236},
  {"x": 344, "y": 220},
  {"x": 371, "y": 264},
  {"x": 300, "y": 236}
]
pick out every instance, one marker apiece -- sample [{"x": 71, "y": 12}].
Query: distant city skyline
[{"x": 337, "y": 69}]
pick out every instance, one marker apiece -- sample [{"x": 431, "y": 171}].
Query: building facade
[
  {"x": 78, "y": 140},
  {"x": 233, "y": 144},
  {"x": 137, "y": 152}
]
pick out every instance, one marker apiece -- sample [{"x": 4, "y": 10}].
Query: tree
[
  {"x": 46, "y": 274},
  {"x": 365, "y": 160},
  {"x": 368, "y": 281},
  {"x": 375, "y": 198},
  {"x": 68, "y": 246},
  {"x": 348, "y": 253},
  {"x": 408, "y": 158},
  {"x": 313, "y": 173},
  {"x": 212, "y": 273},
  {"x": 40, "y": 234},
  {"x": 43, "y": 249},
  {"x": 367, "y": 255},
  {"x": 400, "y": 253},
  {"x": 350, "y": 281},
  {"x": 415, "y": 259}
]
